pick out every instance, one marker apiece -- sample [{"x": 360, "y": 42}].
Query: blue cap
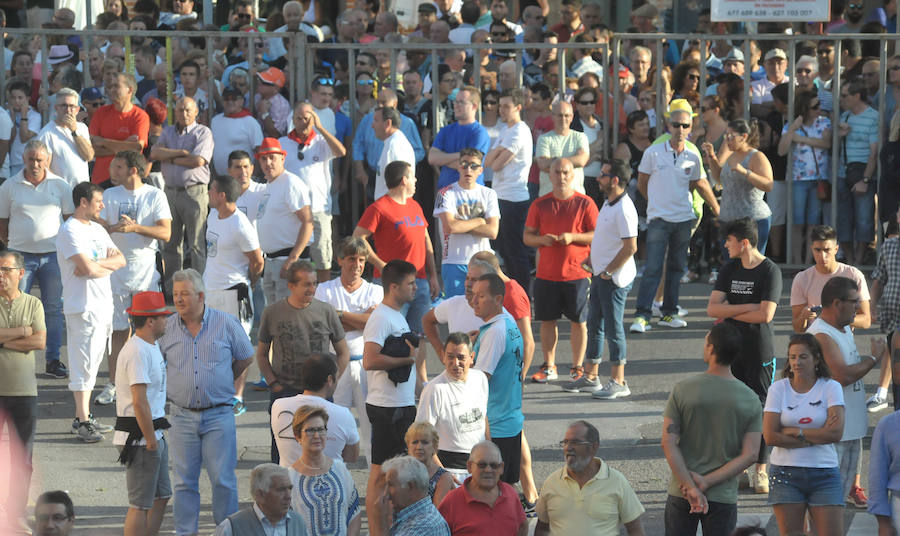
[{"x": 91, "y": 94}]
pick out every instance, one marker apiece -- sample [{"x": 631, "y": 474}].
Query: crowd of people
[{"x": 502, "y": 205}]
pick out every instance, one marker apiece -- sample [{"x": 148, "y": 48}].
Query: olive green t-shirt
[
  {"x": 713, "y": 414},
  {"x": 17, "y": 368}
]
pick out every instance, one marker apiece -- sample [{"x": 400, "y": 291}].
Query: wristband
[{"x": 875, "y": 359}]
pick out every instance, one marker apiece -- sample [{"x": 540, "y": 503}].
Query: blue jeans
[
  {"x": 762, "y": 233},
  {"x": 856, "y": 214},
  {"x": 606, "y": 316},
  {"x": 45, "y": 268},
  {"x": 662, "y": 236},
  {"x": 509, "y": 244},
  {"x": 202, "y": 439},
  {"x": 805, "y": 203}
]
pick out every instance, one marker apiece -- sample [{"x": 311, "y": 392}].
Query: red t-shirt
[
  {"x": 399, "y": 231},
  {"x": 467, "y": 516},
  {"x": 542, "y": 125},
  {"x": 110, "y": 123},
  {"x": 550, "y": 215},
  {"x": 516, "y": 300}
]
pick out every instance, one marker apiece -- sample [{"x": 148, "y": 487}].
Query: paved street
[{"x": 630, "y": 429}]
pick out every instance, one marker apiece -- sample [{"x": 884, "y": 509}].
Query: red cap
[
  {"x": 148, "y": 304},
  {"x": 272, "y": 75},
  {"x": 270, "y": 146}
]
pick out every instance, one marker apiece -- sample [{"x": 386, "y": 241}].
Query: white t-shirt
[
  {"x": 478, "y": 202},
  {"x": 341, "y": 427},
  {"x": 314, "y": 169},
  {"x": 277, "y": 221},
  {"x": 232, "y": 134},
  {"x": 616, "y": 222},
  {"x": 140, "y": 363},
  {"x": 6, "y": 126},
  {"x": 368, "y": 294},
  {"x": 669, "y": 186},
  {"x": 511, "y": 182},
  {"x": 456, "y": 409},
  {"x": 396, "y": 147},
  {"x": 66, "y": 162},
  {"x": 227, "y": 241},
  {"x": 248, "y": 202},
  {"x": 457, "y": 314},
  {"x": 384, "y": 322},
  {"x": 804, "y": 410},
  {"x": 82, "y": 294},
  {"x": 855, "y": 422},
  {"x": 34, "y": 212},
  {"x": 17, "y": 146},
  {"x": 146, "y": 205}
]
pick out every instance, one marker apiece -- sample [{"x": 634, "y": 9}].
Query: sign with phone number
[{"x": 772, "y": 10}]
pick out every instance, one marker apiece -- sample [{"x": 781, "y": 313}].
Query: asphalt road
[{"x": 630, "y": 429}]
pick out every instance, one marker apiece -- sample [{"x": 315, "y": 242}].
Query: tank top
[{"x": 740, "y": 198}]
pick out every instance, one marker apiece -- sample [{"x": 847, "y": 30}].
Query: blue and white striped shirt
[{"x": 198, "y": 369}]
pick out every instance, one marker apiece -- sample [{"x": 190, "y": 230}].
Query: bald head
[
  {"x": 485, "y": 447},
  {"x": 387, "y": 97},
  {"x": 562, "y": 117}
]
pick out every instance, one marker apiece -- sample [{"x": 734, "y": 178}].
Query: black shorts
[
  {"x": 555, "y": 299},
  {"x": 511, "y": 454},
  {"x": 453, "y": 460},
  {"x": 389, "y": 427}
]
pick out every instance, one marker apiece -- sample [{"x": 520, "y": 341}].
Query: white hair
[
  {"x": 67, "y": 92},
  {"x": 192, "y": 276},
  {"x": 813, "y": 62},
  {"x": 261, "y": 476},
  {"x": 410, "y": 471}
]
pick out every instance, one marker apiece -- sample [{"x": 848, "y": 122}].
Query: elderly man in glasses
[
  {"x": 586, "y": 496},
  {"x": 484, "y": 504}
]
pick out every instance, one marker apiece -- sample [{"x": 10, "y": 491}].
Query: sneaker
[
  {"x": 107, "y": 396},
  {"x": 238, "y": 407},
  {"x": 546, "y": 374},
  {"x": 858, "y": 497},
  {"x": 670, "y": 321},
  {"x": 87, "y": 433},
  {"x": 261, "y": 385},
  {"x": 761, "y": 485},
  {"x": 612, "y": 390},
  {"x": 575, "y": 373},
  {"x": 681, "y": 311},
  {"x": 655, "y": 309},
  {"x": 582, "y": 385},
  {"x": 528, "y": 507},
  {"x": 875, "y": 404},
  {"x": 640, "y": 325},
  {"x": 713, "y": 276},
  {"x": 56, "y": 369},
  {"x": 102, "y": 428}
]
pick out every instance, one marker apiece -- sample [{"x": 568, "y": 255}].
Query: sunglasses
[
  {"x": 681, "y": 125},
  {"x": 485, "y": 465},
  {"x": 244, "y": 15},
  {"x": 587, "y": 102},
  {"x": 694, "y": 76},
  {"x": 300, "y": 152},
  {"x": 855, "y": 6},
  {"x": 469, "y": 165},
  {"x": 323, "y": 82},
  {"x": 365, "y": 82}
]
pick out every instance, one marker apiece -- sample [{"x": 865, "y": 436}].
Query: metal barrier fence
[{"x": 301, "y": 68}]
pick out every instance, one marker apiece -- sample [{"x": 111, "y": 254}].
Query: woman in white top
[
  {"x": 324, "y": 493},
  {"x": 804, "y": 417}
]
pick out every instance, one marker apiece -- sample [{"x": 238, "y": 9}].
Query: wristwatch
[
  {"x": 867, "y": 180},
  {"x": 604, "y": 273}
]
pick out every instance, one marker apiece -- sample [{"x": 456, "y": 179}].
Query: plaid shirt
[
  {"x": 420, "y": 518},
  {"x": 887, "y": 273}
]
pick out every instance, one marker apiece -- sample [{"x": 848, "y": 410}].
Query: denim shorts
[{"x": 815, "y": 486}]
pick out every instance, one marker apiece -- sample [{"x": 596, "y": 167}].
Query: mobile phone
[{"x": 816, "y": 309}]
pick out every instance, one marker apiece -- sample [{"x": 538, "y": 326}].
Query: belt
[
  {"x": 286, "y": 252},
  {"x": 183, "y": 188},
  {"x": 198, "y": 410}
]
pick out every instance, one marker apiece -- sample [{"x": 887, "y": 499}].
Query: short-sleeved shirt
[
  {"x": 296, "y": 334},
  {"x": 6, "y": 125},
  {"x": 553, "y": 145},
  {"x": 248, "y": 202},
  {"x": 511, "y": 182},
  {"x": 115, "y": 125},
  {"x": 467, "y": 516},
  {"x": 66, "y": 161},
  {"x": 516, "y": 301},
  {"x": 804, "y": 410},
  {"x": 606, "y": 502},
  {"x": 341, "y": 427},
  {"x": 808, "y": 284},
  {"x": 399, "y": 231},
  {"x": 457, "y": 409},
  {"x": 617, "y": 221},
  {"x": 232, "y": 134},
  {"x": 498, "y": 352},
  {"x": 140, "y": 362},
  {"x": 855, "y": 422},
  {"x": 396, "y": 148},
  {"x": 713, "y": 415},
  {"x": 195, "y": 139},
  {"x": 755, "y": 285},
  {"x": 314, "y": 170},
  {"x": 84, "y": 294},
  {"x": 454, "y": 137},
  {"x": 887, "y": 273},
  {"x": 459, "y": 316},
  {"x": 385, "y": 322},
  {"x": 550, "y": 215},
  {"x": 360, "y": 300},
  {"x": 227, "y": 242},
  {"x": 35, "y": 213},
  {"x": 277, "y": 221},
  {"x": 863, "y": 133},
  {"x": 17, "y": 146},
  {"x": 810, "y": 163},
  {"x": 17, "y": 368},
  {"x": 199, "y": 369},
  {"x": 477, "y": 202},
  {"x": 669, "y": 186}
]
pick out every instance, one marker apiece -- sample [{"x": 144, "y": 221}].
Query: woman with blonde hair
[{"x": 421, "y": 443}]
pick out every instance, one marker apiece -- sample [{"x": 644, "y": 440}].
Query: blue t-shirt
[
  {"x": 454, "y": 137},
  {"x": 498, "y": 352}
]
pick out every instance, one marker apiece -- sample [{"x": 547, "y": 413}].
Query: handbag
[{"x": 823, "y": 187}]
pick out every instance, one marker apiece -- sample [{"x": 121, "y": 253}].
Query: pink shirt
[
  {"x": 807, "y": 285},
  {"x": 468, "y": 516}
]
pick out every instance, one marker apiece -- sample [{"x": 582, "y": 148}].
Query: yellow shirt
[{"x": 599, "y": 508}]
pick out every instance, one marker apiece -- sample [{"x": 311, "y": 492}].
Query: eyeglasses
[
  {"x": 587, "y": 102},
  {"x": 318, "y": 430},
  {"x": 8, "y": 269},
  {"x": 694, "y": 76},
  {"x": 492, "y": 465},
  {"x": 574, "y": 442},
  {"x": 681, "y": 125},
  {"x": 469, "y": 165}
]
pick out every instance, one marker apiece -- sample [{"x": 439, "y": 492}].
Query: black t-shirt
[{"x": 756, "y": 285}]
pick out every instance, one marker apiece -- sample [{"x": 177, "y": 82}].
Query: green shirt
[
  {"x": 713, "y": 414},
  {"x": 17, "y": 368}
]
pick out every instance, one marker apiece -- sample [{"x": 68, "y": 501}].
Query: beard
[
  {"x": 578, "y": 464},
  {"x": 854, "y": 16}
]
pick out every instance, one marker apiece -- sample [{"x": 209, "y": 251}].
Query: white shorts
[
  {"x": 274, "y": 287},
  {"x": 87, "y": 340},
  {"x": 320, "y": 251},
  {"x": 777, "y": 200},
  {"x": 351, "y": 393},
  {"x": 227, "y": 301}
]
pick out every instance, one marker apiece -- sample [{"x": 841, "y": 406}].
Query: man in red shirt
[
  {"x": 561, "y": 225},
  {"x": 400, "y": 231},
  {"x": 120, "y": 126}
]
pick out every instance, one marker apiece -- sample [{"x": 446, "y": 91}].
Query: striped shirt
[
  {"x": 420, "y": 518},
  {"x": 863, "y": 133},
  {"x": 198, "y": 369}
]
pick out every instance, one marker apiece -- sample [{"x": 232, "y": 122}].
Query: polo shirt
[
  {"x": 197, "y": 140},
  {"x": 367, "y": 147},
  {"x": 35, "y": 213},
  {"x": 618, "y": 220},
  {"x": 669, "y": 186},
  {"x": 599, "y": 508},
  {"x": 17, "y": 368},
  {"x": 466, "y": 515}
]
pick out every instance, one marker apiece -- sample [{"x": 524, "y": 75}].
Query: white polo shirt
[
  {"x": 619, "y": 221},
  {"x": 227, "y": 241},
  {"x": 314, "y": 169},
  {"x": 669, "y": 187},
  {"x": 35, "y": 212},
  {"x": 277, "y": 222},
  {"x": 66, "y": 161}
]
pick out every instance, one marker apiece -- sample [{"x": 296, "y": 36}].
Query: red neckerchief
[
  {"x": 243, "y": 113},
  {"x": 300, "y": 141}
]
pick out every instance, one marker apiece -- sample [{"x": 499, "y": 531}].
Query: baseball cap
[{"x": 272, "y": 75}]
